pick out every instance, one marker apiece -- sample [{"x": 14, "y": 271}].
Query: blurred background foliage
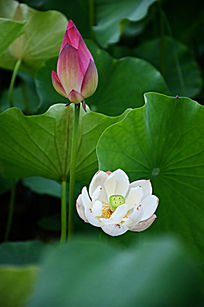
[{"x": 139, "y": 46}]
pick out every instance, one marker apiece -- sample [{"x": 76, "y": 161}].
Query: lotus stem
[
  {"x": 72, "y": 170},
  {"x": 63, "y": 212},
  {"x": 13, "y": 78},
  {"x": 10, "y": 213}
]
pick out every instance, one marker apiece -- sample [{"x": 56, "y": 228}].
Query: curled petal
[
  {"x": 65, "y": 41},
  {"x": 135, "y": 216},
  {"x": 117, "y": 183},
  {"x": 98, "y": 180},
  {"x": 74, "y": 39},
  {"x": 117, "y": 216},
  {"x": 90, "y": 80},
  {"x": 134, "y": 197},
  {"x": 84, "y": 56},
  {"x": 144, "y": 184},
  {"x": 91, "y": 218},
  {"x": 73, "y": 34},
  {"x": 80, "y": 208},
  {"x": 68, "y": 69},
  {"x": 115, "y": 230},
  {"x": 85, "y": 198},
  {"x": 143, "y": 225},
  {"x": 100, "y": 193},
  {"x": 57, "y": 84},
  {"x": 97, "y": 208},
  {"x": 75, "y": 96},
  {"x": 149, "y": 205}
]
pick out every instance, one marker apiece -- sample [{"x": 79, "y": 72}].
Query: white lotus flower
[{"x": 116, "y": 205}]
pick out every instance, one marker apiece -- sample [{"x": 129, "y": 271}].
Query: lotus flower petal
[
  {"x": 85, "y": 198},
  {"x": 75, "y": 96},
  {"x": 149, "y": 205},
  {"x": 97, "y": 208},
  {"x": 117, "y": 183},
  {"x": 115, "y": 230},
  {"x": 141, "y": 226},
  {"x": 80, "y": 209},
  {"x": 65, "y": 41},
  {"x": 57, "y": 84},
  {"x": 84, "y": 56},
  {"x": 117, "y": 216},
  {"x": 90, "y": 80},
  {"x": 73, "y": 35},
  {"x": 91, "y": 218},
  {"x": 97, "y": 180},
  {"x": 68, "y": 69},
  {"x": 135, "y": 215},
  {"x": 145, "y": 185},
  {"x": 134, "y": 197}
]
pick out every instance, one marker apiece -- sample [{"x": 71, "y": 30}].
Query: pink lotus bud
[{"x": 77, "y": 76}]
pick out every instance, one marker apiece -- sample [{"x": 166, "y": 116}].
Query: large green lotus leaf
[
  {"x": 9, "y": 31},
  {"x": 43, "y": 186},
  {"x": 122, "y": 83},
  {"x": 91, "y": 273},
  {"x": 180, "y": 69},
  {"x": 40, "y": 145},
  {"x": 20, "y": 253},
  {"x": 43, "y": 34},
  {"x": 16, "y": 284},
  {"x": 112, "y": 16},
  {"x": 46, "y": 186},
  {"x": 163, "y": 141}
]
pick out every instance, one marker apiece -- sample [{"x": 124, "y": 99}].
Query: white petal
[
  {"x": 134, "y": 197},
  {"x": 136, "y": 215},
  {"x": 117, "y": 183},
  {"x": 91, "y": 218},
  {"x": 85, "y": 198},
  {"x": 144, "y": 184},
  {"x": 97, "y": 208},
  {"x": 149, "y": 205},
  {"x": 97, "y": 180},
  {"x": 100, "y": 194},
  {"x": 143, "y": 225},
  {"x": 80, "y": 208},
  {"x": 115, "y": 230},
  {"x": 117, "y": 215}
]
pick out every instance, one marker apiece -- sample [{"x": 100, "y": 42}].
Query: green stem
[
  {"x": 72, "y": 170},
  {"x": 10, "y": 213},
  {"x": 63, "y": 212},
  {"x": 13, "y": 78},
  {"x": 91, "y": 18},
  {"x": 25, "y": 98},
  {"x": 13, "y": 187}
]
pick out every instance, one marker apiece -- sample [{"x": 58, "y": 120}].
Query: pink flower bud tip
[{"x": 76, "y": 77}]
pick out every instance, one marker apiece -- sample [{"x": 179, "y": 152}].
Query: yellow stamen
[{"x": 106, "y": 213}]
